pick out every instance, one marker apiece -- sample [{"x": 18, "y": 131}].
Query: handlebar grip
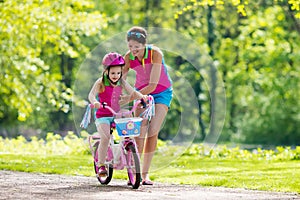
[
  {"x": 143, "y": 103},
  {"x": 93, "y": 106},
  {"x": 104, "y": 104}
]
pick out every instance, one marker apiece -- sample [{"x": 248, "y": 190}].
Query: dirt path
[{"x": 20, "y": 185}]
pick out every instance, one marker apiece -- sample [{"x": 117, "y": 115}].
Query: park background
[
  {"x": 254, "y": 46},
  {"x": 254, "y": 49}
]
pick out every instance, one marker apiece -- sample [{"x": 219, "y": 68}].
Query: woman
[{"x": 151, "y": 78}]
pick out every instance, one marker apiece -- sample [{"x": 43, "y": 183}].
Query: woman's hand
[
  {"x": 124, "y": 99},
  {"x": 144, "y": 98}
]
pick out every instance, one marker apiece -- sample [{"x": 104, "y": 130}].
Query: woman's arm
[
  {"x": 132, "y": 94},
  {"x": 155, "y": 72},
  {"x": 127, "y": 65}
]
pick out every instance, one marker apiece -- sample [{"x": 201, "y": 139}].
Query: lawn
[
  {"x": 259, "y": 175},
  {"x": 227, "y": 167}
]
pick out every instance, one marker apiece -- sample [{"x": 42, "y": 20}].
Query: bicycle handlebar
[
  {"x": 148, "y": 113},
  {"x": 135, "y": 105}
]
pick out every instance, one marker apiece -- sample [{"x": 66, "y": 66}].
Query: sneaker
[{"x": 102, "y": 171}]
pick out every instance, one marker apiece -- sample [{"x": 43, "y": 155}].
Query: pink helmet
[{"x": 113, "y": 59}]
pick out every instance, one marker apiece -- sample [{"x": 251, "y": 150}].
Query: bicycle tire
[
  {"x": 133, "y": 166},
  {"x": 106, "y": 179}
]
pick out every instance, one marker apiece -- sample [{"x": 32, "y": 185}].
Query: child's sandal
[{"x": 147, "y": 182}]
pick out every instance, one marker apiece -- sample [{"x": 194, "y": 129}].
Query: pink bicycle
[{"x": 123, "y": 154}]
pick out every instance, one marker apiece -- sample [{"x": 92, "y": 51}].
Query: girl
[
  {"x": 151, "y": 78},
  {"x": 108, "y": 89}
]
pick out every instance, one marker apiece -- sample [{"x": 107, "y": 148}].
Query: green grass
[
  {"x": 271, "y": 170},
  {"x": 59, "y": 164},
  {"x": 281, "y": 176}
]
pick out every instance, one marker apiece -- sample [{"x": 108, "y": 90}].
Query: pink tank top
[
  {"x": 110, "y": 96},
  {"x": 143, "y": 71}
]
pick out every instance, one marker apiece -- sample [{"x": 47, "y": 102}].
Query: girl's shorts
[
  {"x": 104, "y": 120},
  {"x": 164, "y": 97}
]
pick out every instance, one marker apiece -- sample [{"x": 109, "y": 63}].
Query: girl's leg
[
  {"x": 151, "y": 140},
  {"x": 104, "y": 131}
]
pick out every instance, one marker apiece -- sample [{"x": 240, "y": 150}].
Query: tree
[
  {"x": 254, "y": 46},
  {"x": 38, "y": 41},
  {"x": 268, "y": 77}
]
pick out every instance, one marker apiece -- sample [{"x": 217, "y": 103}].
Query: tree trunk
[{"x": 213, "y": 71}]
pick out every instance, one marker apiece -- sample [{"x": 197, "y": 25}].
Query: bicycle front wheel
[
  {"x": 133, "y": 166},
  {"x": 106, "y": 179}
]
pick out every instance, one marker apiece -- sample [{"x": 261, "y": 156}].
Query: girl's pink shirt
[{"x": 111, "y": 96}]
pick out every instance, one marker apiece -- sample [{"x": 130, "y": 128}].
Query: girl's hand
[{"x": 97, "y": 105}]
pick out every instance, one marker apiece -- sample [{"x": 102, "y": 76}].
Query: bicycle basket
[{"x": 128, "y": 126}]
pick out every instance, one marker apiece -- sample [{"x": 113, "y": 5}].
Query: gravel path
[{"x": 21, "y": 185}]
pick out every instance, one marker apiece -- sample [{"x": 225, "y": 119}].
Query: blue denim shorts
[
  {"x": 164, "y": 97},
  {"x": 104, "y": 120}
]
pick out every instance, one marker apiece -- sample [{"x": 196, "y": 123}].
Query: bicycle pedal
[{"x": 101, "y": 175}]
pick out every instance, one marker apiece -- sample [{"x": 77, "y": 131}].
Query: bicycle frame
[
  {"x": 124, "y": 154},
  {"x": 112, "y": 158}
]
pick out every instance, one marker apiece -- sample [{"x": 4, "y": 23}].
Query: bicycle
[{"x": 123, "y": 154}]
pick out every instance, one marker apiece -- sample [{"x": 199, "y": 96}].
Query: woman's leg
[
  {"x": 151, "y": 140},
  {"x": 140, "y": 140}
]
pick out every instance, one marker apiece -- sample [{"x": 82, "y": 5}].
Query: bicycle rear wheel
[
  {"x": 133, "y": 166},
  {"x": 105, "y": 179}
]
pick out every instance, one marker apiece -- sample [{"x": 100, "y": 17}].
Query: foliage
[
  {"x": 253, "y": 45},
  {"x": 54, "y": 144},
  {"x": 71, "y": 144},
  {"x": 36, "y": 37},
  {"x": 262, "y": 78},
  {"x": 223, "y": 152},
  {"x": 242, "y": 7},
  {"x": 257, "y": 55}
]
